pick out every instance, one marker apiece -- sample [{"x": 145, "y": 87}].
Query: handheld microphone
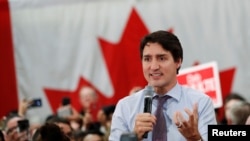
[{"x": 149, "y": 91}]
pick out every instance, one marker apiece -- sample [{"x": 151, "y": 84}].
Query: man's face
[{"x": 159, "y": 67}]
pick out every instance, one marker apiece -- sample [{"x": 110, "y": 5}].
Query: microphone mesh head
[{"x": 149, "y": 90}]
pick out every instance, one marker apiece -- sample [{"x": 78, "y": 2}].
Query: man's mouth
[{"x": 155, "y": 74}]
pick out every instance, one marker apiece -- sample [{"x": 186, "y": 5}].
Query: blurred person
[
  {"x": 64, "y": 125},
  {"x": 12, "y": 129},
  {"x": 78, "y": 135},
  {"x": 23, "y": 107},
  {"x": 93, "y": 135},
  {"x": 231, "y": 100},
  {"x": 187, "y": 112},
  {"x": 104, "y": 117},
  {"x": 238, "y": 114},
  {"x": 89, "y": 101},
  {"x": 52, "y": 132},
  {"x": 66, "y": 110},
  {"x": 87, "y": 120}
]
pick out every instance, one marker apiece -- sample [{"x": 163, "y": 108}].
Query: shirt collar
[{"x": 175, "y": 92}]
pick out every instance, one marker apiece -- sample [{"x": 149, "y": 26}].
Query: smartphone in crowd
[
  {"x": 36, "y": 103},
  {"x": 23, "y": 129},
  {"x": 23, "y": 125}
]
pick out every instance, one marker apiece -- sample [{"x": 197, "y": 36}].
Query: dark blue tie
[{"x": 160, "y": 128}]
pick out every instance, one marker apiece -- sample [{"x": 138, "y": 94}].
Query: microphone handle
[
  {"x": 147, "y": 109},
  {"x": 145, "y": 135}
]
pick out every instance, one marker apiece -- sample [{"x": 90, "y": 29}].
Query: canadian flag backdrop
[{"x": 51, "y": 48}]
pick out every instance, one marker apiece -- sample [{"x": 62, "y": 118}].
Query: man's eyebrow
[
  {"x": 146, "y": 55},
  {"x": 161, "y": 55}
]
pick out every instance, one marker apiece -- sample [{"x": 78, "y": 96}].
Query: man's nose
[{"x": 155, "y": 65}]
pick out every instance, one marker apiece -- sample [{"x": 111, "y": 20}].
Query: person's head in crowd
[
  {"x": 104, "y": 117},
  {"x": 78, "y": 135},
  {"x": 238, "y": 114},
  {"x": 93, "y": 135},
  {"x": 50, "y": 117},
  {"x": 88, "y": 97},
  {"x": 12, "y": 129},
  {"x": 52, "y": 132},
  {"x": 89, "y": 101},
  {"x": 231, "y": 100},
  {"x": 105, "y": 114},
  {"x": 64, "y": 125}
]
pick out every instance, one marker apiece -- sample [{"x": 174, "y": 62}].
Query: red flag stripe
[{"x": 8, "y": 100}]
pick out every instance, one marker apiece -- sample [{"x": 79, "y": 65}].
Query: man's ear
[{"x": 179, "y": 62}]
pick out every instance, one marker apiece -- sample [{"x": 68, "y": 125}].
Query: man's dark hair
[{"x": 167, "y": 40}]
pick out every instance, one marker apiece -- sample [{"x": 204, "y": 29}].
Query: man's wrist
[{"x": 195, "y": 138}]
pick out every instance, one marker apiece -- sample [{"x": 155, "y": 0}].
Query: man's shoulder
[
  {"x": 193, "y": 92},
  {"x": 132, "y": 98}
]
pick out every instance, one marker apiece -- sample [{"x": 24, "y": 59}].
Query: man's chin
[{"x": 156, "y": 84}]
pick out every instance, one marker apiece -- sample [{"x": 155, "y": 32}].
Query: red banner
[{"x": 204, "y": 77}]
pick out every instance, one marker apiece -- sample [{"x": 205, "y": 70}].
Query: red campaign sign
[{"x": 204, "y": 77}]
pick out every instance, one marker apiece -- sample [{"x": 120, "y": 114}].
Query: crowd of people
[
  {"x": 67, "y": 124},
  {"x": 176, "y": 112}
]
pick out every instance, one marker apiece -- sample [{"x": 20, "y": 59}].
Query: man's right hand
[{"x": 144, "y": 122}]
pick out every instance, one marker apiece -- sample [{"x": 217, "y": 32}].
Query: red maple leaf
[{"x": 123, "y": 63}]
